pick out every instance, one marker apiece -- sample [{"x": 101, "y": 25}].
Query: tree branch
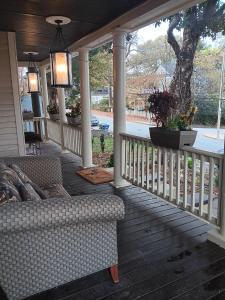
[{"x": 170, "y": 36}]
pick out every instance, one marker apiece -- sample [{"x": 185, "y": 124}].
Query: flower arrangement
[
  {"x": 75, "y": 111},
  {"x": 164, "y": 107},
  {"x": 53, "y": 108}
]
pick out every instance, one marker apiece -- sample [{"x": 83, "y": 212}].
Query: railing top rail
[
  {"x": 65, "y": 124},
  {"x": 187, "y": 148}
]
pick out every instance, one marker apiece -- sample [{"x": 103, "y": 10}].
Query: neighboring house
[{"x": 166, "y": 71}]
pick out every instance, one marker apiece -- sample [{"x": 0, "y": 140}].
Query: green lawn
[{"x": 96, "y": 145}]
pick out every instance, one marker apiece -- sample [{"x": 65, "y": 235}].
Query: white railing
[
  {"x": 72, "y": 139},
  {"x": 72, "y": 136},
  {"x": 188, "y": 178}
]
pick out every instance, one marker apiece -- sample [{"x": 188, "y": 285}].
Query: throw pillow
[
  {"x": 25, "y": 179},
  {"x": 7, "y": 188},
  {"x": 28, "y": 193}
]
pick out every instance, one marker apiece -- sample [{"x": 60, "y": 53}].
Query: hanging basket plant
[{"x": 173, "y": 129}]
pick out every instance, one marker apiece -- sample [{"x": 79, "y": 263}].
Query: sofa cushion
[
  {"x": 56, "y": 191},
  {"x": 28, "y": 193},
  {"x": 25, "y": 179}
]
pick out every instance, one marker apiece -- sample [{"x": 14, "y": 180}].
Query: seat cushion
[{"x": 56, "y": 191}]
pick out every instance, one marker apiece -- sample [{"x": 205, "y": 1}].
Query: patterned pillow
[
  {"x": 4, "y": 198},
  {"x": 25, "y": 179},
  {"x": 7, "y": 189},
  {"x": 28, "y": 193},
  {"x": 11, "y": 176}
]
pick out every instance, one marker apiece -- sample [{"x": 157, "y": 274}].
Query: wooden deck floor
[{"x": 163, "y": 251}]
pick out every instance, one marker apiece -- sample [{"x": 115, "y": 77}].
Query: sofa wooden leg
[{"x": 114, "y": 271}]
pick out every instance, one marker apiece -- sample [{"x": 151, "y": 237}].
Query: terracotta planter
[
  {"x": 74, "y": 121},
  {"x": 54, "y": 117},
  {"x": 172, "y": 138}
]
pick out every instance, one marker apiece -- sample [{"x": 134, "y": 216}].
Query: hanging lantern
[
  {"x": 33, "y": 76},
  {"x": 60, "y": 59}
]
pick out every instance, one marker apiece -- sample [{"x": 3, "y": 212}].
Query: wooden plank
[
  {"x": 153, "y": 170},
  {"x": 211, "y": 183}
]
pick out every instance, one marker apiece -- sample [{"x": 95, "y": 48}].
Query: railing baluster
[
  {"x": 193, "y": 182},
  {"x": 171, "y": 176},
  {"x": 202, "y": 184},
  {"x": 130, "y": 157},
  {"x": 153, "y": 169},
  {"x": 147, "y": 165},
  {"x": 164, "y": 173},
  {"x": 142, "y": 164},
  {"x": 185, "y": 178},
  {"x": 178, "y": 178},
  {"x": 126, "y": 156},
  {"x": 158, "y": 170},
  {"x": 211, "y": 181},
  {"x": 138, "y": 162},
  {"x": 134, "y": 162}
]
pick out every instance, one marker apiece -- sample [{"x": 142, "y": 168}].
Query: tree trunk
[{"x": 181, "y": 82}]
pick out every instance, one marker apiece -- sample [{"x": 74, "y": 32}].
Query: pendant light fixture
[
  {"x": 32, "y": 74},
  {"x": 60, "y": 57}
]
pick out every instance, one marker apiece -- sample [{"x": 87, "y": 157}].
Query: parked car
[{"x": 94, "y": 121}]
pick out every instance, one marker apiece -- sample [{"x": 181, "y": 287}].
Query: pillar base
[
  {"x": 120, "y": 184},
  {"x": 215, "y": 237}
]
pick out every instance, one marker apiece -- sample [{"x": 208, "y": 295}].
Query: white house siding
[{"x": 9, "y": 144}]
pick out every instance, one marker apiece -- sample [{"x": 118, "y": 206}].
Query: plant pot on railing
[
  {"x": 173, "y": 127},
  {"x": 54, "y": 117},
  {"x": 53, "y": 110},
  {"x": 75, "y": 121},
  {"x": 74, "y": 116},
  {"x": 175, "y": 139}
]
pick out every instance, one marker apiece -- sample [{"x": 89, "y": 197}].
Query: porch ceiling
[{"x": 27, "y": 19}]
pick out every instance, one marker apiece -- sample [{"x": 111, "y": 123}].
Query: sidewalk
[{"x": 129, "y": 118}]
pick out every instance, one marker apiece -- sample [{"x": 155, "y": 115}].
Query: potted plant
[
  {"x": 74, "y": 116},
  {"x": 53, "y": 110},
  {"x": 173, "y": 129}
]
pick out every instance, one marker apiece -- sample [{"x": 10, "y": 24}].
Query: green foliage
[
  {"x": 75, "y": 111},
  {"x": 53, "y": 108},
  {"x": 190, "y": 163},
  {"x": 96, "y": 144},
  {"x": 207, "y": 112},
  {"x": 111, "y": 161}
]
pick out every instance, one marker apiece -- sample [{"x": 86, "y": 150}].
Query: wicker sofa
[{"x": 50, "y": 242}]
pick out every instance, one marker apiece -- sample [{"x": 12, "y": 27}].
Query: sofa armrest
[
  {"x": 31, "y": 215},
  {"x": 43, "y": 170}
]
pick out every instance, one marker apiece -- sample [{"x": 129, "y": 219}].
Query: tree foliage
[{"x": 202, "y": 20}]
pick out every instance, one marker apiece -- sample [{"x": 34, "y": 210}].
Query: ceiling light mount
[{"x": 58, "y": 20}]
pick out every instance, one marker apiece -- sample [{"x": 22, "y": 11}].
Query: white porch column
[
  {"x": 119, "y": 108},
  {"x": 62, "y": 113},
  {"x": 44, "y": 88},
  {"x": 85, "y": 107}
]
